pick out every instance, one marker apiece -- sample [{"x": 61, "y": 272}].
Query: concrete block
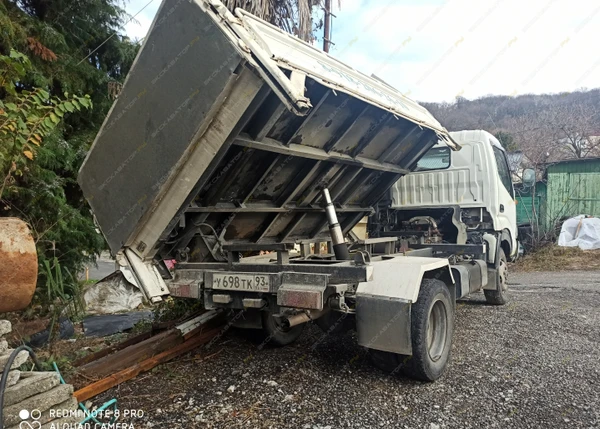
[
  {"x": 20, "y": 359},
  {"x": 3, "y": 346},
  {"x": 32, "y": 383},
  {"x": 56, "y": 412},
  {"x": 5, "y": 327},
  {"x": 43, "y": 401},
  {"x": 13, "y": 377}
]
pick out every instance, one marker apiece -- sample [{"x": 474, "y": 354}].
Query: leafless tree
[
  {"x": 576, "y": 129},
  {"x": 535, "y": 140}
]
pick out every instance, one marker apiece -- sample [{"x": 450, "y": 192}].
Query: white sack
[
  {"x": 588, "y": 236},
  {"x": 112, "y": 294}
]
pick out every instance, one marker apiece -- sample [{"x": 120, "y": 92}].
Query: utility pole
[{"x": 327, "y": 26}]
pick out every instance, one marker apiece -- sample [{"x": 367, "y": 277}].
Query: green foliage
[
  {"x": 61, "y": 287},
  {"x": 47, "y": 364},
  {"x": 175, "y": 309},
  {"x": 507, "y": 141},
  {"x": 50, "y": 124},
  {"x": 27, "y": 117}
]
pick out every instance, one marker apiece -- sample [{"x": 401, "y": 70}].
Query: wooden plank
[
  {"x": 115, "y": 379},
  {"x": 132, "y": 355},
  {"x": 187, "y": 329},
  {"x": 114, "y": 348}
]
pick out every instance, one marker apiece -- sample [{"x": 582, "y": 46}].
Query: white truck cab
[
  {"x": 475, "y": 180},
  {"x": 458, "y": 203}
]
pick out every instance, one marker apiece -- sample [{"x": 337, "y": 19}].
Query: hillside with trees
[{"x": 545, "y": 127}]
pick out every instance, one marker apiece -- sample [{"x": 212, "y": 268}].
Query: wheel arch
[
  {"x": 444, "y": 274},
  {"x": 506, "y": 243}
]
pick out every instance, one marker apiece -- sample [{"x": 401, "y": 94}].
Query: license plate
[{"x": 242, "y": 282}]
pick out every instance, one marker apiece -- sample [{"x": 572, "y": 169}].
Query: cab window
[
  {"x": 503, "y": 170},
  {"x": 436, "y": 158}
]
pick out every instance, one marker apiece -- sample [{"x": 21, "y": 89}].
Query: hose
[{"x": 5, "y": 372}]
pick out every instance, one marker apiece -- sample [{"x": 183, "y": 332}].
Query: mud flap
[{"x": 383, "y": 324}]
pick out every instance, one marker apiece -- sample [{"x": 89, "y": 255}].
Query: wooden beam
[
  {"x": 108, "y": 350},
  {"x": 127, "y": 374},
  {"x": 131, "y": 355},
  {"x": 133, "y": 352}
]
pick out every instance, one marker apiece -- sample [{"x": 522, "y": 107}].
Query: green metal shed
[
  {"x": 573, "y": 188},
  {"x": 525, "y": 208}
]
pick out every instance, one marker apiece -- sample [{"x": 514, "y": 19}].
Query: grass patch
[{"x": 555, "y": 258}]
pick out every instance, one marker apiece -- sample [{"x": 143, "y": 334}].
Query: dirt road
[{"x": 532, "y": 363}]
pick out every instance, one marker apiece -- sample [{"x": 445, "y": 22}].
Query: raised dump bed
[{"x": 226, "y": 128}]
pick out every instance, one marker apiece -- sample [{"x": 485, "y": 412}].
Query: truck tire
[
  {"x": 387, "y": 361},
  {"x": 336, "y": 323},
  {"x": 432, "y": 326},
  {"x": 430, "y": 344},
  {"x": 498, "y": 296},
  {"x": 275, "y": 334}
]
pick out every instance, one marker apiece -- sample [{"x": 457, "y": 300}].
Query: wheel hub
[
  {"x": 437, "y": 330},
  {"x": 503, "y": 275}
]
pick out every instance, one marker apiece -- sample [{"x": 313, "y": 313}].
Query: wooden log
[
  {"x": 111, "y": 349},
  {"x": 131, "y": 355},
  {"x": 113, "y": 380}
]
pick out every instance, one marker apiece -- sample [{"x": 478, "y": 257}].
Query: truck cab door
[{"x": 507, "y": 210}]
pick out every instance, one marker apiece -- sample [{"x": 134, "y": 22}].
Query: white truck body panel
[{"x": 387, "y": 282}]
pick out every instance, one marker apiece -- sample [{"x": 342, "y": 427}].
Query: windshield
[
  {"x": 437, "y": 158},
  {"x": 503, "y": 170}
]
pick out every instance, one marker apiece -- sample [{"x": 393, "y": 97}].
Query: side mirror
[{"x": 528, "y": 177}]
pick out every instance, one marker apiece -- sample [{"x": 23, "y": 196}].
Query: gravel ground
[{"x": 533, "y": 363}]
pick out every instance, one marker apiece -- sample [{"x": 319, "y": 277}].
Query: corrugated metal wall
[{"x": 573, "y": 189}]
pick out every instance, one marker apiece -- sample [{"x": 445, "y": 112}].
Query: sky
[{"x": 436, "y": 50}]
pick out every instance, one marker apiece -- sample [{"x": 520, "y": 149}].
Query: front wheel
[{"x": 498, "y": 296}]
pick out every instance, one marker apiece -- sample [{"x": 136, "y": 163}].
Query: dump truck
[{"x": 247, "y": 156}]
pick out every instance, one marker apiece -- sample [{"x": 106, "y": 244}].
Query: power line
[{"x": 111, "y": 36}]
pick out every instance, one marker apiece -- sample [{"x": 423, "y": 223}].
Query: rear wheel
[
  {"x": 387, "y": 361},
  {"x": 276, "y": 334},
  {"x": 432, "y": 326},
  {"x": 335, "y": 323},
  {"x": 498, "y": 296}
]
